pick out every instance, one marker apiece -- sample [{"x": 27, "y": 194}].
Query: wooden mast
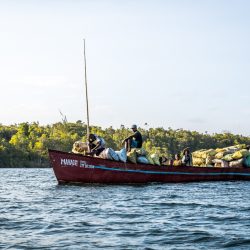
[{"x": 86, "y": 89}]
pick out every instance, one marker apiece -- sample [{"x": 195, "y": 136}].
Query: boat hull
[{"x": 74, "y": 168}]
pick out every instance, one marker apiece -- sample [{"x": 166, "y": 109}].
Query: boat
[{"x": 77, "y": 168}]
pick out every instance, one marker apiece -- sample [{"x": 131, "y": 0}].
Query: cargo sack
[
  {"x": 122, "y": 154},
  {"x": 241, "y": 146},
  {"x": 209, "y": 160},
  {"x": 217, "y": 165},
  {"x": 224, "y": 164},
  {"x": 76, "y": 152},
  {"x": 109, "y": 154},
  {"x": 112, "y": 154},
  {"x": 236, "y": 164},
  {"x": 156, "y": 159},
  {"x": 131, "y": 156},
  {"x": 228, "y": 157},
  {"x": 142, "y": 159},
  {"x": 198, "y": 153},
  {"x": 209, "y": 152},
  {"x": 221, "y": 154},
  {"x": 150, "y": 160},
  {"x": 240, "y": 154},
  {"x": 217, "y": 161},
  {"x": 141, "y": 152},
  {"x": 237, "y": 155},
  {"x": 218, "y": 150},
  {"x": 246, "y": 161},
  {"x": 198, "y": 161},
  {"x": 231, "y": 149},
  {"x": 80, "y": 147}
]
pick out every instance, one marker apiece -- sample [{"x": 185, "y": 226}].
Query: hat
[{"x": 133, "y": 126}]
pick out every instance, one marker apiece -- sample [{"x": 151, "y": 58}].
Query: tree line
[{"x": 26, "y": 144}]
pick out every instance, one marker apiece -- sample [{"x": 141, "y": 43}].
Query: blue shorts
[{"x": 133, "y": 144}]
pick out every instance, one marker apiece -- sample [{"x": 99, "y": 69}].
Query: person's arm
[
  {"x": 93, "y": 146},
  {"x": 97, "y": 145},
  {"x": 129, "y": 137},
  {"x": 93, "y": 149}
]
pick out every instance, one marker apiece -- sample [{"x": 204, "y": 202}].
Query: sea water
[{"x": 37, "y": 213}]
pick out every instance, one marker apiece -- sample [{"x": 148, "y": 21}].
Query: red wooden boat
[{"x": 74, "y": 168}]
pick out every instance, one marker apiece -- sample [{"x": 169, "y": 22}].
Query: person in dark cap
[{"x": 134, "y": 140}]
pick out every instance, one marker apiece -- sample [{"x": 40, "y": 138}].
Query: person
[
  {"x": 96, "y": 144},
  {"x": 170, "y": 160},
  {"x": 177, "y": 160},
  {"x": 134, "y": 140},
  {"x": 187, "y": 158},
  {"x": 163, "y": 160}
]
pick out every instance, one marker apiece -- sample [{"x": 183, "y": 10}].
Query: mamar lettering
[{"x": 69, "y": 162}]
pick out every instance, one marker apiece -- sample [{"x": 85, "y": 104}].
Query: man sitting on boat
[
  {"x": 134, "y": 140},
  {"x": 96, "y": 144}
]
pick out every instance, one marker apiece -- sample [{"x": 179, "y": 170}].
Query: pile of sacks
[
  {"x": 203, "y": 157},
  {"x": 140, "y": 155},
  {"x": 135, "y": 155},
  {"x": 233, "y": 156}
]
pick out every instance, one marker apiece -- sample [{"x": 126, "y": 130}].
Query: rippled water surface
[{"x": 36, "y": 213}]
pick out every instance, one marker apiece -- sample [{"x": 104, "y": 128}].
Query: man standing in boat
[{"x": 134, "y": 140}]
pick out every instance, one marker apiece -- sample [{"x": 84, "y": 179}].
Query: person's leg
[
  {"x": 128, "y": 145},
  {"x": 133, "y": 144}
]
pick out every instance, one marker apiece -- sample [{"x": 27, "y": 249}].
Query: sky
[{"x": 173, "y": 63}]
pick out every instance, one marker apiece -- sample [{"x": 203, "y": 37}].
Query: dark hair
[
  {"x": 91, "y": 137},
  {"x": 177, "y": 155},
  {"x": 186, "y": 150}
]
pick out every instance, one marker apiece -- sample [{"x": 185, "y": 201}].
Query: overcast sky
[{"x": 180, "y": 64}]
